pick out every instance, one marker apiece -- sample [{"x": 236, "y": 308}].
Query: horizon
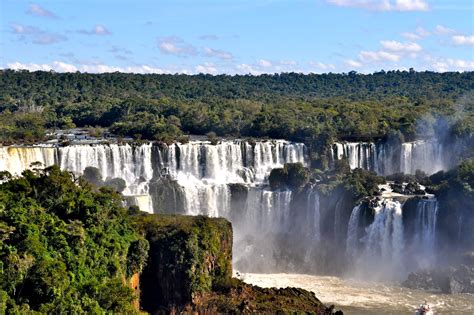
[{"x": 238, "y": 37}]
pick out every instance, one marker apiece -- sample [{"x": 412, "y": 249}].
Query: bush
[{"x": 293, "y": 176}]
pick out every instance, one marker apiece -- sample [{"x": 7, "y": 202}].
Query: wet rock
[{"x": 452, "y": 280}]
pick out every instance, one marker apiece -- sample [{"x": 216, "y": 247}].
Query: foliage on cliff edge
[{"x": 65, "y": 247}]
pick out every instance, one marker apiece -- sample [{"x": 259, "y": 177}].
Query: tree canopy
[
  {"x": 288, "y": 105},
  {"x": 65, "y": 246}
]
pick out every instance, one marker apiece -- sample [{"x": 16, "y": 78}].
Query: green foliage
[
  {"x": 466, "y": 174},
  {"x": 188, "y": 255},
  {"x": 29, "y": 127},
  {"x": 363, "y": 183},
  {"x": 277, "y": 178},
  {"x": 65, "y": 248},
  {"x": 460, "y": 179},
  {"x": 293, "y": 175}
]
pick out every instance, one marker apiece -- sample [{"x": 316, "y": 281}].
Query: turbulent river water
[{"x": 357, "y": 297}]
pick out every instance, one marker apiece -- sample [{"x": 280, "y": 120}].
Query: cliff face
[
  {"x": 188, "y": 257},
  {"x": 189, "y": 271}
]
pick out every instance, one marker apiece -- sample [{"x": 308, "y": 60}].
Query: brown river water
[{"x": 358, "y": 297}]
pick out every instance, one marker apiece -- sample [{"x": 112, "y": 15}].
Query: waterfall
[
  {"x": 202, "y": 169},
  {"x": 424, "y": 155},
  {"x": 259, "y": 233},
  {"x": 196, "y": 178},
  {"x": 425, "y": 231},
  {"x": 385, "y": 234},
  {"x": 131, "y": 163},
  {"x": 352, "y": 243},
  {"x": 17, "y": 159},
  {"x": 314, "y": 215},
  {"x": 421, "y": 155},
  {"x": 380, "y": 254}
]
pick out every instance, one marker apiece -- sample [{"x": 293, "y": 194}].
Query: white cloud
[
  {"x": 48, "y": 39},
  {"x": 353, "y": 63},
  {"x": 370, "y": 56},
  {"x": 59, "y": 66},
  {"x": 400, "y": 47},
  {"x": 264, "y": 63},
  {"x": 96, "y": 30},
  {"x": 25, "y": 29},
  {"x": 36, "y": 9},
  {"x": 448, "y": 64},
  {"x": 383, "y": 5},
  {"x": 288, "y": 62},
  {"x": 172, "y": 45},
  {"x": 246, "y": 69},
  {"x": 206, "y": 68},
  {"x": 322, "y": 66},
  {"x": 36, "y": 35},
  {"x": 63, "y": 67},
  {"x": 443, "y": 30},
  {"x": 462, "y": 40},
  {"x": 422, "y": 32},
  {"x": 419, "y": 33},
  {"x": 210, "y": 52},
  {"x": 410, "y": 5},
  {"x": 411, "y": 36}
]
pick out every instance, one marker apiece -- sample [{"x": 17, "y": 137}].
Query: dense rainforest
[{"x": 308, "y": 108}]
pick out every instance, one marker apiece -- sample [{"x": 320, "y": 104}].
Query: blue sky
[{"x": 229, "y": 36}]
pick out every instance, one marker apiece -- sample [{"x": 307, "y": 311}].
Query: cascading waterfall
[
  {"x": 314, "y": 215},
  {"x": 265, "y": 220},
  {"x": 385, "y": 159},
  {"x": 17, "y": 159},
  {"x": 352, "y": 243},
  {"x": 386, "y": 249},
  {"x": 421, "y": 155},
  {"x": 258, "y": 233},
  {"x": 205, "y": 170},
  {"x": 425, "y": 231},
  {"x": 202, "y": 169},
  {"x": 382, "y": 246},
  {"x": 131, "y": 163}
]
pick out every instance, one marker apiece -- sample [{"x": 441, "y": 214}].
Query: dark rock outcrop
[
  {"x": 188, "y": 256},
  {"x": 189, "y": 271},
  {"x": 449, "y": 280}
]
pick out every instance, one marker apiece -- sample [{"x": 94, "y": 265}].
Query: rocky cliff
[{"x": 189, "y": 270}]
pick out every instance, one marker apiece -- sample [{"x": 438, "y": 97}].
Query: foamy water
[{"x": 356, "y": 297}]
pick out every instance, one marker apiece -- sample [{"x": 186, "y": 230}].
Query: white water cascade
[
  {"x": 202, "y": 169},
  {"x": 421, "y": 155},
  {"x": 314, "y": 215},
  {"x": 17, "y": 159},
  {"x": 258, "y": 233},
  {"x": 352, "y": 243},
  {"x": 424, "y": 238},
  {"x": 132, "y": 164},
  {"x": 380, "y": 254},
  {"x": 386, "y": 249},
  {"x": 385, "y": 159}
]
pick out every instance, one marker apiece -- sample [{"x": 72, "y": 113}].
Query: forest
[{"x": 308, "y": 108}]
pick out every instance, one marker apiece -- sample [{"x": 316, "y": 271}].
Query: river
[{"x": 357, "y": 297}]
